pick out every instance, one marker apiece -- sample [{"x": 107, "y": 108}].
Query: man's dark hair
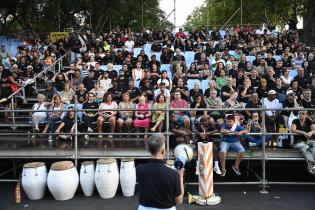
[
  {"x": 155, "y": 143},
  {"x": 230, "y": 117}
]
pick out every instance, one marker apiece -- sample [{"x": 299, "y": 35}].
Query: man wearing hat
[
  {"x": 290, "y": 102},
  {"x": 272, "y": 116}
]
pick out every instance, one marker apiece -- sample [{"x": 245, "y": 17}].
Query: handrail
[{"x": 39, "y": 74}]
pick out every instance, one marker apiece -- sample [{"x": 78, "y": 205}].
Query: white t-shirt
[
  {"x": 271, "y": 104},
  {"x": 105, "y": 84},
  {"x": 129, "y": 44}
]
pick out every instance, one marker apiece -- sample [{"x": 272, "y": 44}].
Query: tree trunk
[{"x": 308, "y": 23}]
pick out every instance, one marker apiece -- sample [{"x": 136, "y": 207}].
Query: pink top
[
  {"x": 111, "y": 107},
  {"x": 143, "y": 109},
  {"x": 179, "y": 105}
]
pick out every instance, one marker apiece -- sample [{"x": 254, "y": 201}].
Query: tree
[
  {"x": 308, "y": 23},
  {"x": 41, "y": 16},
  {"x": 254, "y": 12}
]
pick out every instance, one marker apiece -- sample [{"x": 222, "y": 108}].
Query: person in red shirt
[
  {"x": 180, "y": 34},
  {"x": 178, "y": 103}
]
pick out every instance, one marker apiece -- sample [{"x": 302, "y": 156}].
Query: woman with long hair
[
  {"x": 107, "y": 114},
  {"x": 142, "y": 115},
  {"x": 159, "y": 115}
]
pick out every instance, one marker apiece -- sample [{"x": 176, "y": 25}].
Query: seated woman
[
  {"x": 89, "y": 116},
  {"x": 159, "y": 115},
  {"x": 125, "y": 116},
  {"x": 142, "y": 115},
  {"x": 103, "y": 115},
  {"x": 198, "y": 103},
  {"x": 67, "y": 126},
  {"x": 98, "y": 92},
  {"x": 39, "y": 116},
  {"x": 305, "y": 130},
  {"x": 67, "y": 94},
  {"x": 54, "y": 116}
]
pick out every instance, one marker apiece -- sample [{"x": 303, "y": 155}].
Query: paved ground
[{"x": 233, "y": 198}]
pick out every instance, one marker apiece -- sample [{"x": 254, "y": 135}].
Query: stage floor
[{"x": 233, "y": 198}]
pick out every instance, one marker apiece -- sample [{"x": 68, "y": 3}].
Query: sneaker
[
  {"x": 33, "y": 136},
  {"x": 100, "y": 136},
  {"x": 252, "y": 144},
  {"x": 236, "y": 170},
  {"x": 50, "y": 139},
  {"x": 217, "y": 170},
  {"x": 223, "y": 173},
  {"x": 86, "y": 137},
  {"x": 90, "y": 130}
]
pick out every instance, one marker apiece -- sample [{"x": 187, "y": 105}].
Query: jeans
[
  {"x": 150, "y": 208},
  {"x": 258, "y": 140}
]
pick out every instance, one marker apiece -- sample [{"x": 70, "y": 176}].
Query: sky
[{"x": 183, "y": 9}]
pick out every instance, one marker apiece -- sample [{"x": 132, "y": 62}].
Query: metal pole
[
  {"x": 208, "y": 15},
  {"x": 264, "y": 180},
  {"x": 75, "y": 135},
  {"x": 167, "y": 129},
  {"x": 58, "y": 16},
  {"x": 230, "y": 18},
  {"x": 142, "y": 13},
  {"x": 13, "y": 114},
  {"x": 241, "y": 12},
  {"x": 91, "y": 15},
  {"x": 174, "y": 15}
]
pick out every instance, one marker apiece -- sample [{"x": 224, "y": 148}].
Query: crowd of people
[{"x": 281, "y": 75}]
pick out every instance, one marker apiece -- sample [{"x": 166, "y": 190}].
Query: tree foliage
[
  {"x": 254, "y": 12},
  {"x": 41, "y": 16}
]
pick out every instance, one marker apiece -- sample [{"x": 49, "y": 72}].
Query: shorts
[
  {"x": 181, "y": 118},
  {"x": 237, "y": 146}
]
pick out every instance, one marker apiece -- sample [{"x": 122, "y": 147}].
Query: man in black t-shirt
[
  {"x": 167, "y": 188},
  {"x": 305, "y": 129}
]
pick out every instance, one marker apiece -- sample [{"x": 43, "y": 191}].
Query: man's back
[{"x": 158, "y": 184}]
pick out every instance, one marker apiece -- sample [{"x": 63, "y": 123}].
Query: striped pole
[{"x": 205, "y": 158}]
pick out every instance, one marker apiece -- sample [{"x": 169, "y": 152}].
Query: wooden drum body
[
  {"x": 34, "y": 178},
  {"x": 106, "y": 177},
  {"x": 87, "y": 178},
  {"x": 128, "y": 177},
  {"x": 63, "y": 180}
]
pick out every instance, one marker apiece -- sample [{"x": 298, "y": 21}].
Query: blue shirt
[{"x": 232, "y": 138}]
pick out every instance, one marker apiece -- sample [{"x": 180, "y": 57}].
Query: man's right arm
[{"x": 179, "y": 199}]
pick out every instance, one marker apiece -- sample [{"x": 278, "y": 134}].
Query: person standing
[{"x": 164, "y": 191}]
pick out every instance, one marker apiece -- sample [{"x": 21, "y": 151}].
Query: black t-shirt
[
  {"x": 249, "y": 91},
  {"x": 81, "y": 96},
  {"x": 69, "y": 122},
  {"x": 88, "y": 105},
  {"x": 160, "y": 191},
  {"x": 134, "y": 92},
  {"x": 89, "y": 82},
  {"x": 306, "y": 128},
  {"x": 226, "y": 89},
  {"x": 115, "y": 92},
  {"x": 255, "y": 81}
]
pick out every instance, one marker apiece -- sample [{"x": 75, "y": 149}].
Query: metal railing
[
  {"x": 52, "y": 66},
  {"x": 263, "y": 182}
]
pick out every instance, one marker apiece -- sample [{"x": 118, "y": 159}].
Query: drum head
[
  {"x": 127, "y": 160},
  {"x": 62, "y": 165},
  {"x": 34, "y": 165},
  {"x": 86, "y": 163},
  {"x": 106, "y": 161}
]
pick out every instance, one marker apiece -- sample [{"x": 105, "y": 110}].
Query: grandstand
[{"x": 268, "y": 54}]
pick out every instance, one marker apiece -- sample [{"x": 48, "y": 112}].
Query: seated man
[
  {"x": 181, "y": 134},
  {"x": 178, "y": 103},
  {"x": 305, "y": 129},
  {"x": 204, "y": 130},
  {"x": 232, "y": 133}
]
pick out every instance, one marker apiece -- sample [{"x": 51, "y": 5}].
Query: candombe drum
[
  {"x": 87, "y": 177},
  {"x": 34, "y": 178},
  {"x": 106, "y": 177},
  {"x": 128, "y": 177},
  {"x": 63, "y": 180}
]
